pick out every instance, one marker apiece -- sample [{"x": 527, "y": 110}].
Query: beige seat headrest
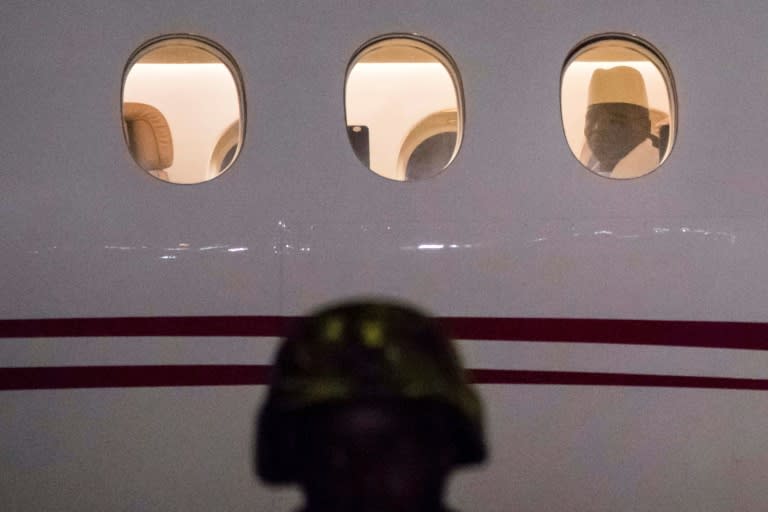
[
  {"x": 149, "y": 136},
  {"x": 621, "y": 84}
]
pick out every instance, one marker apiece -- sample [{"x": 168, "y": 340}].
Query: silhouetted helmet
[{"x": 357, "y": 353}]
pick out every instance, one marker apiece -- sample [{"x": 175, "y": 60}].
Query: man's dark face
[
  {"x": 615, "y": 129},
  {"x": 373, "y": 458}
]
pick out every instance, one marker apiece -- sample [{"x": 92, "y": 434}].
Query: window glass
[
  {"x": 404, "y": 107},
  {"x": 618, "y": 106},
  {"x": 183, "y": 109}
]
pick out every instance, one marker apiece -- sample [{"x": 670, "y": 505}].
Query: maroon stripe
[
  {"x": 614, "y": 379},
  {"x": 238, "y": 375},
  {"x": 734, "y": 335},
  {"x": 740, "y": 335},
  {"x": 145, "y": 326},
  {"x": 68, "y": 377}
]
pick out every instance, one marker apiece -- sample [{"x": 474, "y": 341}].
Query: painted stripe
[
  {"x": 239, "y": 375},
  {"x": 526, "y": 331},
  {"x": 72, "y": 377},
  {"x": 522, "y": 355},
  {"x": 733, "y": 335},
  {"x": 602, "y": 358},
  {"x": 613, "y": 379},
  {"x": 145, "y": 326}
]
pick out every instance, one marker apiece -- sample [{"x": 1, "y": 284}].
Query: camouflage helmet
[{"x": 360, "y": 352}]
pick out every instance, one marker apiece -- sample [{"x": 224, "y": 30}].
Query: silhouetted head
[
  {"x": 617, "y": 114},
  {"x": 376, "y": 457},
  {"x": 369, "y": 410}
]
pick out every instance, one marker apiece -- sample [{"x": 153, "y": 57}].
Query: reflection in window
[
  {"x": 183, "y": 109},
  {"x": 618, "y": 106},
  {"x": 404, "y": 107}
]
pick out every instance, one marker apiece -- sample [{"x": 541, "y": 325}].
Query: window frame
[
  {"x": 444, "y": 58},
  {"x": 204, "y": 44},
  {"x": 653, "y": 55}
]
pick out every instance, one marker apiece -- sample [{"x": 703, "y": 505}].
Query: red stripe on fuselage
[
  {"x": 74, "y": 377},
  {"x": 732, "y": 335}
]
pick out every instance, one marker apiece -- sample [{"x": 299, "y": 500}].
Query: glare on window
[
  {"x": 183, "y": 109},
  {"x": 404, "y": 107},
  {"x": 618, "y": 106}
]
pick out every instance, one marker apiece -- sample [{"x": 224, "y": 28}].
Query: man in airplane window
[
  {"x": 618, "y": 125},
  {"x": 369, "y": 410}
]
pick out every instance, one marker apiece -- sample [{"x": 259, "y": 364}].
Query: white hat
[{"x": 621, "y": 84}]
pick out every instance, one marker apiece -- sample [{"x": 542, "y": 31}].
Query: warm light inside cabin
[
  {"x": 614, "y": 72},
  {"x": 404, "y": 93},
  {"x": 198, "y": 96}
]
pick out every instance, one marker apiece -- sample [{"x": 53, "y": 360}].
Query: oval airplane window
[
  {"x": 618, "y": 105},
  {"x": 183, "y": 109},
  {"x": 404, "y": 107}
]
